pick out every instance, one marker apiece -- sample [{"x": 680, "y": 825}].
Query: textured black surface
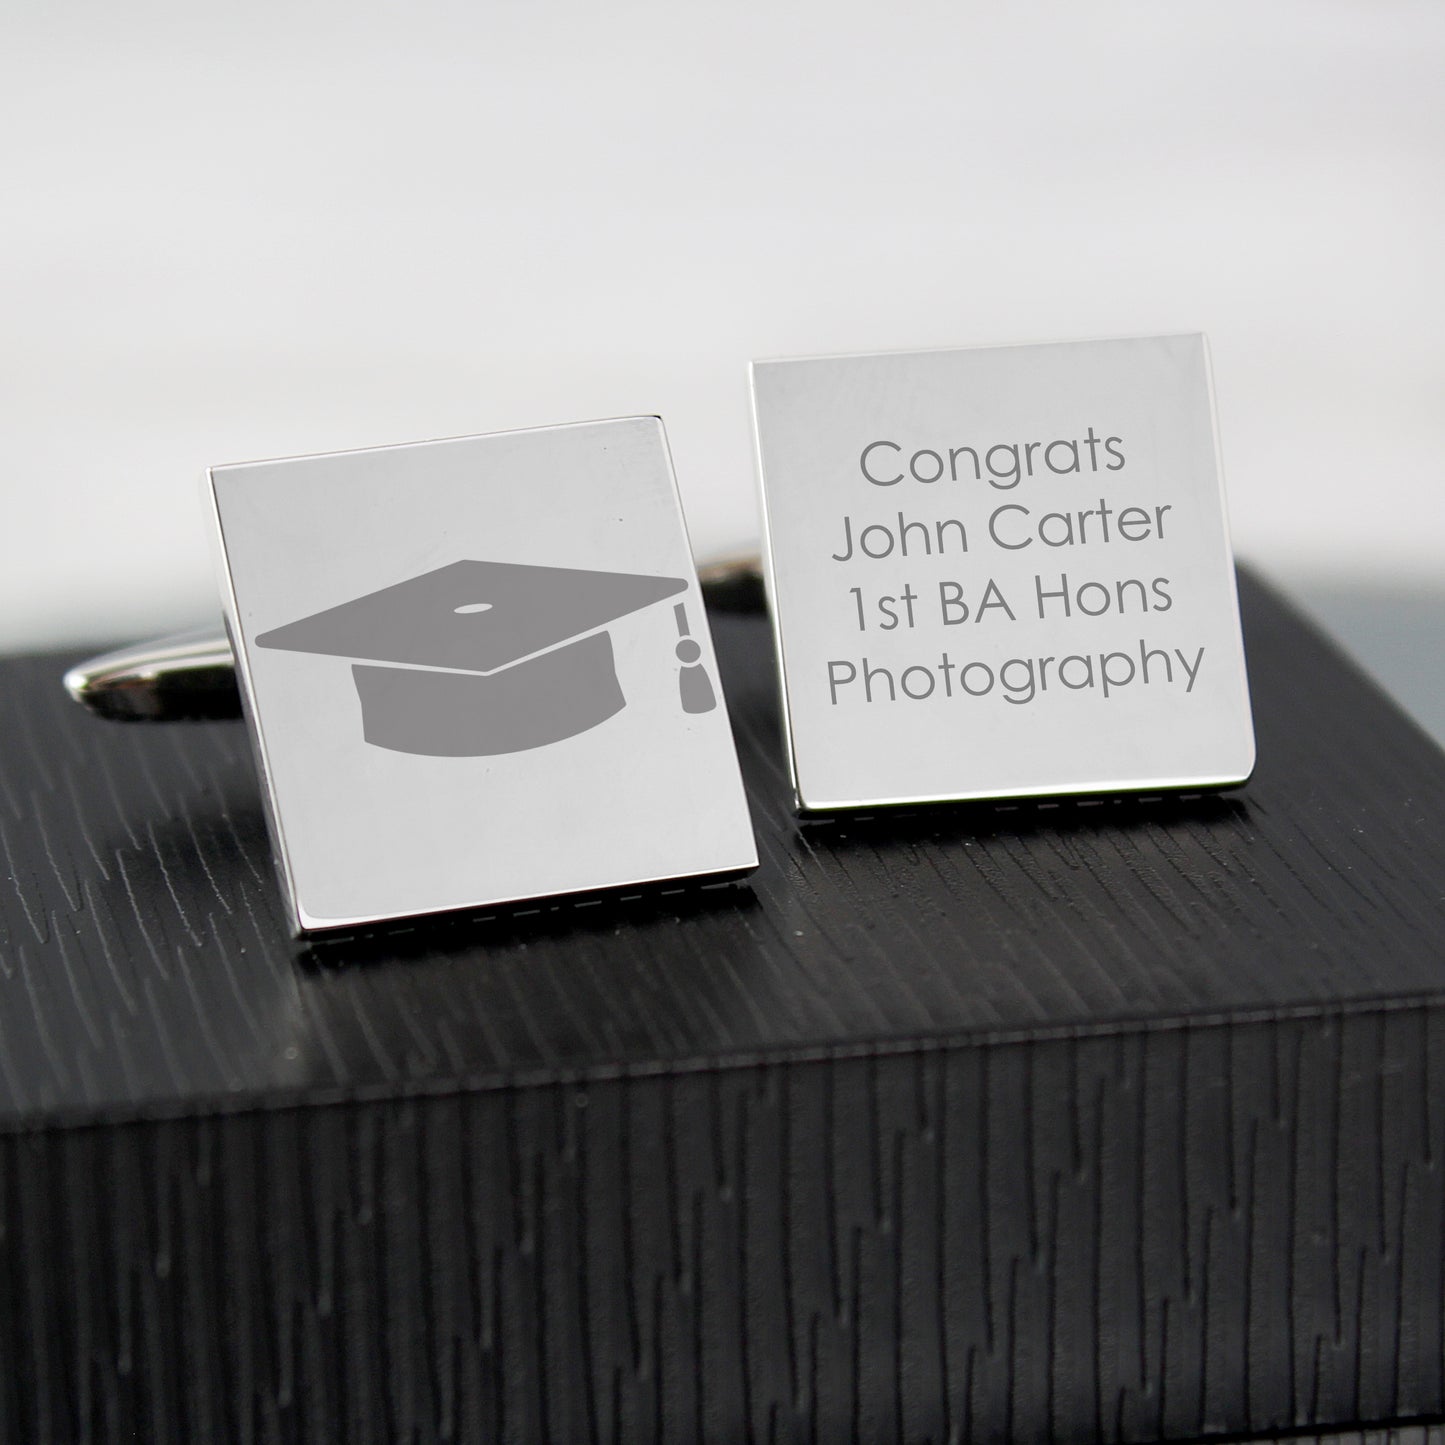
[
  {"x": 1120, "y": 1121},
  {"x": 146, "y": 964},
  {"x": 1131, "y": 1237}
]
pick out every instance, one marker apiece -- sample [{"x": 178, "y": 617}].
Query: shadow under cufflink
[
  {"x": 468, "y": 931},
  {"x": 1024, "y": 819}
]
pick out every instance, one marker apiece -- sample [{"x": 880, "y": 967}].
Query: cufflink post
[{"x": 189, "y": 676}]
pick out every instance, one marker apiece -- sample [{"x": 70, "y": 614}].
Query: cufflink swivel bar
[{"x": 191, "y": 676}]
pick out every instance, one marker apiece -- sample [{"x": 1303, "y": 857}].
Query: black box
[{"x": 1109, "y": 1120}]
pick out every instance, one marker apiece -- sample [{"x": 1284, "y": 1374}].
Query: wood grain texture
[{"x": 1105, "y": 1122}]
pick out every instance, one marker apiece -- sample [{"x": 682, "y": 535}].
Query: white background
[{"x": 256, "y": 229}]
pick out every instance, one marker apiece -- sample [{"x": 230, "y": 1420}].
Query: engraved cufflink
[
  {"x": 1002, "y": 572},
  {"x": 475, "y": 672}
]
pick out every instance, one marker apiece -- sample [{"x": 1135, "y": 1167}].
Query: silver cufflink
[
  {"x": 1001, "y": 573},
  {"x": 475, "y": 672},
  {"x": 479, "y": 671}
]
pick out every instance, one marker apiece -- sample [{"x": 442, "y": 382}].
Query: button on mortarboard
[{"x": 525, "y": 664}]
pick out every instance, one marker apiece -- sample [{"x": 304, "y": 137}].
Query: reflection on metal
[{"x": 188, "y": 676}]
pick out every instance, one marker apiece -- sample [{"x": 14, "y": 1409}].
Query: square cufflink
[
  {"x": 1001, "y": 572},
  {"x": 477, "y": 671}
]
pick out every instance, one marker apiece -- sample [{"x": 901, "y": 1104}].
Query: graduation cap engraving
[{"x": 479, "y": 659}]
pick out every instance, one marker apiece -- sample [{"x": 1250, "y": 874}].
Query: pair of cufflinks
[{"x": 479, "y": 671}]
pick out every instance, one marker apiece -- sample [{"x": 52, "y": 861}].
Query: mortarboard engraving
[{"x": 491, "y": 657}]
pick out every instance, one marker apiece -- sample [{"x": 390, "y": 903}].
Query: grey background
[
  {"x": 230, "y": 232},
  {"x": 233, "y": 232},
  {"x": 1397, "y": 634}
]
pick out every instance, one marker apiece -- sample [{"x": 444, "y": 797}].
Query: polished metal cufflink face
[
  {"x": 1001, "y": 572},
  {"x": 477, "y": 671}
]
